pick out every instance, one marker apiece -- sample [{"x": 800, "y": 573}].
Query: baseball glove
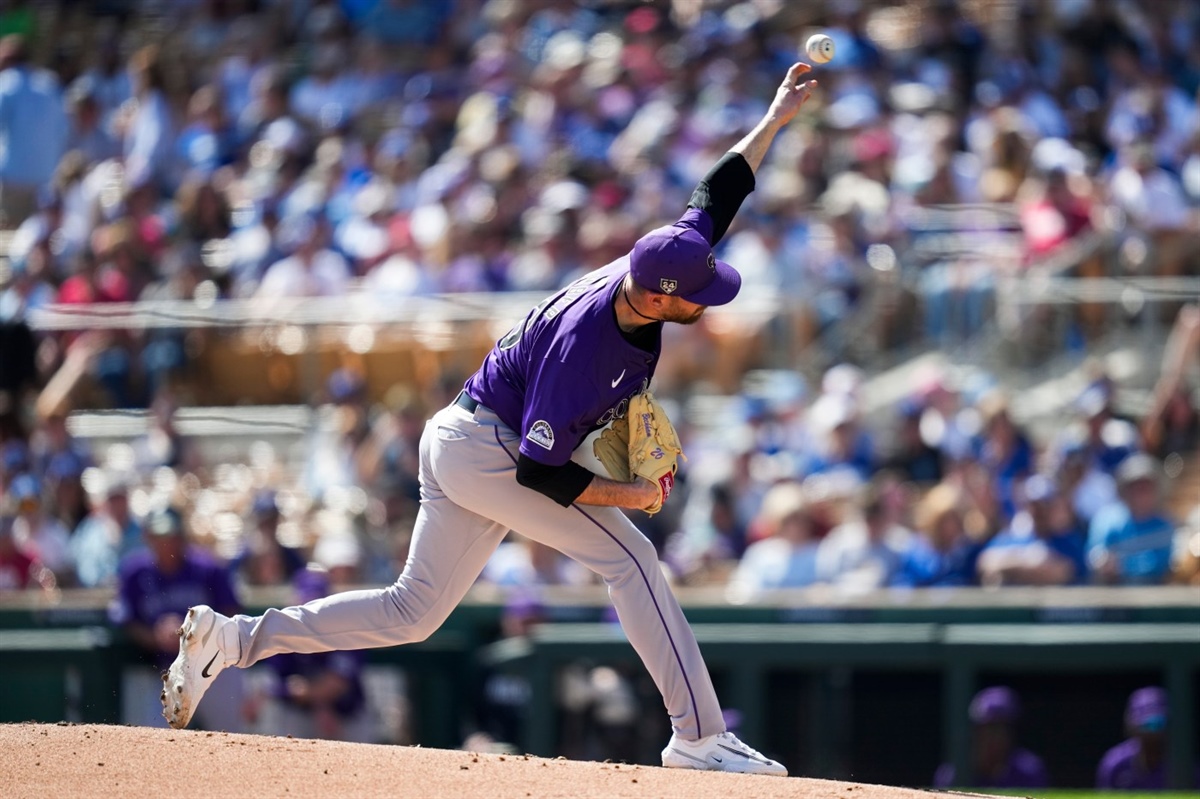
[
  {"x": 643, "y": 444},
  {"x": 611, "y": 448}
]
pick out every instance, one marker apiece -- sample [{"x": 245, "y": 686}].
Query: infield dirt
[{"x": 38, "y": 761}]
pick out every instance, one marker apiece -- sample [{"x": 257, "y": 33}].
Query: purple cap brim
[{"x": 722, "y": 290}]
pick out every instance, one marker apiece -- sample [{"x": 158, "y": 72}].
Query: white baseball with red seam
[{"x": 819, "y": 48}]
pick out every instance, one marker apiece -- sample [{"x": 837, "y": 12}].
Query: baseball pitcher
[{"x": 499, "y": 459}]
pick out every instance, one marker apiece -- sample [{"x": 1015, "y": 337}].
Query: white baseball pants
[{"x": 469, "y": 500}]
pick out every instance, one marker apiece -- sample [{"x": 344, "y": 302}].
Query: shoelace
[{"x": 730, "y": 738}]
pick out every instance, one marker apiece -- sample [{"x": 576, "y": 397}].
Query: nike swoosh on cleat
[
  {"x": 746, "y": 755},
  {"x": 717, "y": 759},
  {"x": 204, "y": 673},
  {"x": 619, "y": 378}
]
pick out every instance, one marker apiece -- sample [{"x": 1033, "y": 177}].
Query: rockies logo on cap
[{"x": 669, "y": 286}]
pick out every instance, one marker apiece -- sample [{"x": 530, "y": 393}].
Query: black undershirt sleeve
[
  {"x": 563, "y": 484},
  {"x": 722, "y": 191}
]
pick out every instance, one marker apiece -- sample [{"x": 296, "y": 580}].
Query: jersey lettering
[
  {"x": 618, "y": 411},
  {"x": 560, "y": 301}
]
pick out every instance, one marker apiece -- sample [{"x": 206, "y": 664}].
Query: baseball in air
[{"x": 819, "y": 48}]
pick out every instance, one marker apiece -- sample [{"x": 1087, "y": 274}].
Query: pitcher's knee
[
  {"x": 415, "y": 609},
  {"x": 642, "y": 562}
]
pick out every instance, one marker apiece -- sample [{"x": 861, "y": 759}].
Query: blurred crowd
[
  {"x": 800, "y": 488},
  {"x": 239, "y": 148}
]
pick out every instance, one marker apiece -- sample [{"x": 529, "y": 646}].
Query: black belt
[{"x": 465, "y": 401}]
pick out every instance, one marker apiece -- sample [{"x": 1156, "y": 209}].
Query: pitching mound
[{"x": 62, "y": 760}]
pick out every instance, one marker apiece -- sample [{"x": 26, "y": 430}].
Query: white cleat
[
  {"x": 721, "y": 752},
  {"x": 203, "y": 654}
]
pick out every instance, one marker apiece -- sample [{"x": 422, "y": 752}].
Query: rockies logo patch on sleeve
[{"x": 541, "y": 434}]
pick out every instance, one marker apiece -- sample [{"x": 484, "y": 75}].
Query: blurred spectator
[
  {"x": 318, "y": 695},
  {"x": 1004, "y": 449},
  {"x": 52, "y": 440},
  {"x": 520, "y": 561},
  {"x": 1185, "y": 568},
  {"x": 998, "y": 762},
  {"x": 33, "y": 130},
  {"x": 264, "y": 561},
  {"x": 156, "y": 586},
  {"x": 107, "y": 535},
  {"x": 163, "y": 444},
  {"x": 405, "y": 21},
  {"x": 699, "y": 550},
  {"x": 1110, "y": 440},
  {"x": 388, "y": 459},
  {"x": 942, "y": 555},
  {"x": 1042, "y": 545},
  {"x": 37, "y": 533},
  {"x": 18, "y": 570},
  {"x": 1150, "y": 195},
  {"x": 311, "y": 270},
  {"x": 1082, "y": 481},
  {"x": 111, "y": 83},
  {"x": 1129, "y": 542},
  {"x": 331, "y": 452},
  {"x": 867, "y": 552},
  {"x": 914, "y": 458},
  {"x": 65, "y": 497},
  {"x": 89, "y": 135},
  {"x": 206, "y": 141},
  {"x": 14, "y": 461},
  {"x": 1172, "y": 424},
  {"x": 786, "y": 557},
  {"x": 1055, "y": 209},
  {"x": 203, "y": 212},
  {"x": 1140, "y": 762},
  {"x": 146, "y": 126},
  {"x": 838, "y": 442}
]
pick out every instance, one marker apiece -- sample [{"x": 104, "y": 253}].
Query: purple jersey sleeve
[
  {"x": 558, "y": 400},
  {"x": 699, "y": 220}
]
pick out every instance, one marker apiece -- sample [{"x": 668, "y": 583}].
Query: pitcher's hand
[{"x": 791, "y": 94}]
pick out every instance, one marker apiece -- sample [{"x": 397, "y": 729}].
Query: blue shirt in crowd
[
  {"x": 926, "y": 567},
  {"x": 1069, "y": 544},
  {"x": 33, "y": 126},
  {"x": 1142, "y": 548}
]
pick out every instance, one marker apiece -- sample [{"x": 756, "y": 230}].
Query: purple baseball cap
[
  {"x": 678, "y": 260},
  {"x": 1147, "y": 709},
  {"x": 996, "y": 705}
]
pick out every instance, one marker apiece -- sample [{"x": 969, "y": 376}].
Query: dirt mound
[{"x": 66, "y": 760}]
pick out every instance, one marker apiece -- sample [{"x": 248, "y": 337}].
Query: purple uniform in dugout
[{"x": 567, "y": 370}]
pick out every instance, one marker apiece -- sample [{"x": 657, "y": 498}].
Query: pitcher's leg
[
  {"x": 610, "y": 545},
  {"x": 649, "y": 613},
  {"x": 450, "y": 547}
]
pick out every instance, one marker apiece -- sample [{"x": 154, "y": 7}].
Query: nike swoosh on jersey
[{"x": 619, "y": 378}]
